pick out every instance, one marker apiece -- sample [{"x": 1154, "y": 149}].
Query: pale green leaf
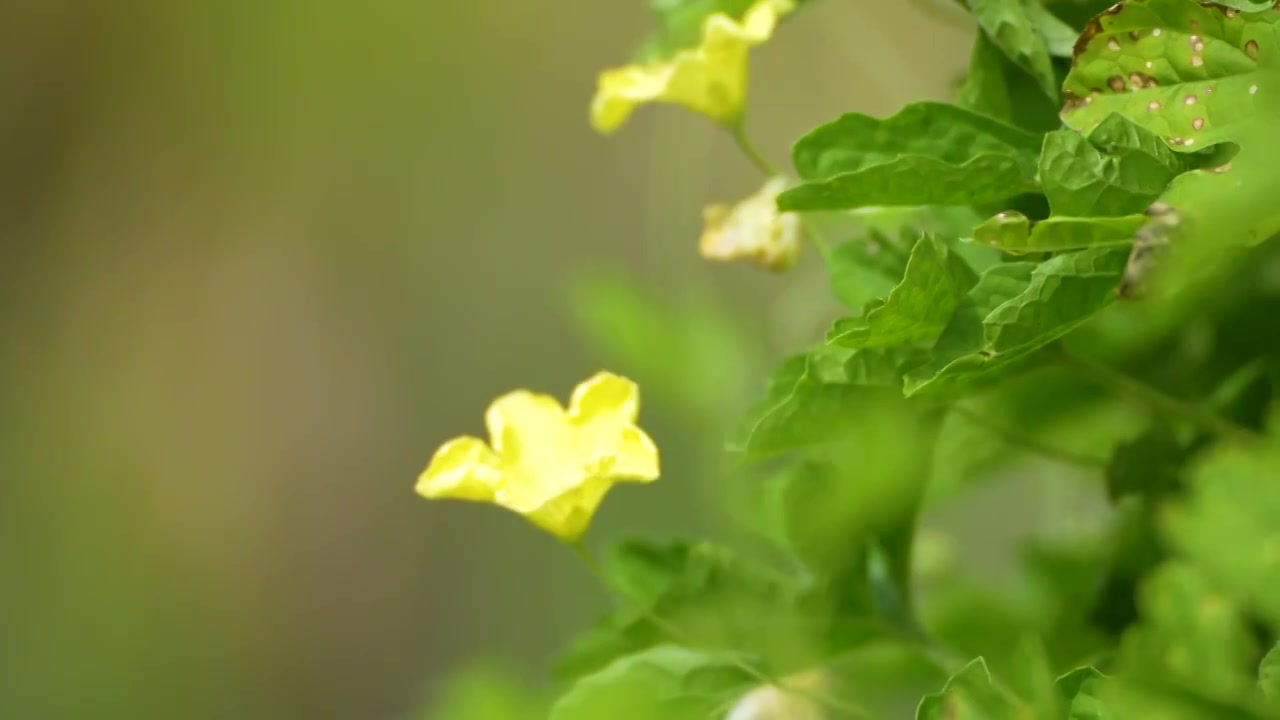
[
  {"x": 1014, "y": 233},
  {"x": 664, "y": 682}
]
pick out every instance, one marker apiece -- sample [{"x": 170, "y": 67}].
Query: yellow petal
[
  {"x": 753, "y": 229},
  {"x": 568, "y": 515},
  {"x": 710, "y": 79},
  {"x": 605, "y": 408},
  {"x": 605, "y": 394},
  {"x": 462, "y": 469}
]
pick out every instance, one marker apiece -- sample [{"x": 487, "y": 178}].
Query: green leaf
[
  {"x": 1117, "y": 170},
  {"x": 1149, "y": 465},
  {"x": 1014, "y": 233},
  {"x": 1008, "y": 23},
  {"x": 917, "y": 310},
  {"x": 1195, "y": 75},
  {"x": 814, "y": 399},
  {"x": 993, "y": 334},
  {"x": 864, "y": 269},
  {"x": 1269, "y": 674},
  {"x": 1229, "y": 525},
  {"x": 968, "y": 695},
  {"x": 928, "y": 154},
  {"x": 1191, "y": 635},
  {"x": 997, "y": 88},
  {"x": 664, "y": 682},
  {"x": 710, "y": 598},
  {"x": 1079, "y": 693},
  {"x": 1059, "y": 37},
  {"x": 1181, "y": 70}
]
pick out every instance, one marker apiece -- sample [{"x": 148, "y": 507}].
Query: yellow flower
[
  {"x": 753, "y": 229},
  {"x": 551, "y": 465},
  {"x": 710, "y": 79}
]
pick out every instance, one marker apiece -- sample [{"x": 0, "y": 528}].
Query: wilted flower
[
  {"x": 551, "y": 465},
  {"x": 710, "y": 79},
  {"x": 753, "y": 229}
]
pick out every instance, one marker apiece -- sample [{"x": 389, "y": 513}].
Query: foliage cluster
[{"x": 1073, "y": 266}]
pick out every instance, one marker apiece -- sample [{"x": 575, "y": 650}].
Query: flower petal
[
  {"x": 753, "y": 229},
  {"x": 605, "y": 407},
  {"x": 605, "y": 394},
  {"x": 569, "y": 514},
  {"x": 462, "y": 469}
]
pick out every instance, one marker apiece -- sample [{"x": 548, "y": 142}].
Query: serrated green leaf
[
  {"x": 1010, "y": 26},
  {"x": 968, "y": 695},
  {"x": 886, "y": 678},
  {"x": 1117, "y": 170},
  {"x": 1079, "y": 692},
  {"x": 1229, "y": 525},
  {"x": 928, "y": 154},
  {"x": 1014, "y": 233},
  {"x": 918, "y": 308},
  {"x": 665, "y": 682},
  {"x": 1061, "y": 294}
]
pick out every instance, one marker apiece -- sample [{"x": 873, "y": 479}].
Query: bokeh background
[{"x": 261, "y": 258}]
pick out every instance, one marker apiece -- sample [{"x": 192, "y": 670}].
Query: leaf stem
[
  {"x": 1157, "y": 399},
  {"x": 674, "y": 633},
  {"x": 1027, "y": 442},
  {"x": 748, "y": 148}
]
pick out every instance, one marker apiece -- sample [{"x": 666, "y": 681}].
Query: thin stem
[
  {"x": 1027, "y": 442},
  {"x": 676, "y": 634},
  {"x": 1158, "y": 400},
  {"x": 748, "y": 148},
  {"x": 739, "y": 132}
]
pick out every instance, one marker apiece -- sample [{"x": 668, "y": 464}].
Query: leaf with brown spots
[{"x": 1210, "y": 75}]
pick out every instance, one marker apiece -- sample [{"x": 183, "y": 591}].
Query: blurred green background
[{"x": 261, "y": 258}]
